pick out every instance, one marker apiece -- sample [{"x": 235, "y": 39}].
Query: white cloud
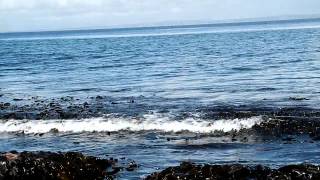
[{"x": 25, "y": 15}]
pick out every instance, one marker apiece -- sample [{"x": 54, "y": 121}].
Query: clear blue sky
[{"x": 34, "y": 15}]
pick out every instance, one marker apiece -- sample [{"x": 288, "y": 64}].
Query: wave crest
[{"x": 149, "y": 122}]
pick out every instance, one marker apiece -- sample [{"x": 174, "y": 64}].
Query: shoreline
[
  {"x": 275, "y": 120},
  {"x": 280, "y": 125},
  {"x": 75, "y": 165}
]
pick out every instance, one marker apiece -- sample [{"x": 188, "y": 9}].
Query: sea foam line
[{"x": 147, "y": 123}]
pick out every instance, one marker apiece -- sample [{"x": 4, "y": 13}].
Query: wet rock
[
  {"x": 48, "y": 165},
  {"x": 39, "y": 134},
  {"x": 6, "y": 104},
  {"x": 54, "y": 130},
  {"x": 86, "y": 104},
  {"x": 99, "y": 97},
  {"x": 132, "y": 166},
  {"x": 20, "y": 133},
  {"x": 298, "y": 98},
  {"x": 67, "y": 98},
  {"x": 191, "y": 171},
  {"x": 244, "y": 139},
  {"x": 288, "y": 138}
]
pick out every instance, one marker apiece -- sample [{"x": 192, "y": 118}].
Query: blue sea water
[{"x": 235, "y": 64}]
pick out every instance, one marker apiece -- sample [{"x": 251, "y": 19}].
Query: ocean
[{"x": 163, "y": 95}]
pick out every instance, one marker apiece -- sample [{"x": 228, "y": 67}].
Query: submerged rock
[
  {"x": 132, "y": 166},
  {"x": 192, "y": 171},
  {"x": 298, "y": 98}
]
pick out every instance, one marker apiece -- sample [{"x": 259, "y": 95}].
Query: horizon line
[{"x": 247, "y": 21}]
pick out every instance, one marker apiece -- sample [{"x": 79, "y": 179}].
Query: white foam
[{"x": 148, "y": 122}]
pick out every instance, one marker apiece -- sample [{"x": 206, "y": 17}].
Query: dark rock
[
  {"x": 54, "y": 130},
  {"x": 39, "y": 134},
  {"x": 298, "y": 98},
  {"x": 86, "y": 104},
  {"x": 289, "y": 138},
  {"x": 191, "y": 171},
  {"x": 99, "y": 97},
  {"x": 48, "y": 165},
  {"x": 244, "y": 139},
  {"x": 132, "y": 166},
  {"x": 7, "y": 104}
]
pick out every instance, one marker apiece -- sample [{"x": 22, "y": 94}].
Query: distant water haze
[{"x": 40, "y": 15}]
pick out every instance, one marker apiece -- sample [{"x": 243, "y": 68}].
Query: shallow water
[
  {"x": 153, "y": 152},
  {"x": 157, "y": 84}
]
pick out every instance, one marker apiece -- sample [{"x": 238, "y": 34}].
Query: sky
[{"x": 39, "y": 15}]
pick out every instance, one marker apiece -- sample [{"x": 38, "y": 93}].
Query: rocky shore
[
  {"x": 72, "y": 165},
  {"x": 191, "y": 171},
  {"x": 285, "y": 123},
  {"x": 49, "y": 165}
]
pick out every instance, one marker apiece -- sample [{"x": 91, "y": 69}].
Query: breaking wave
[{"x": 148, "y": 122}]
